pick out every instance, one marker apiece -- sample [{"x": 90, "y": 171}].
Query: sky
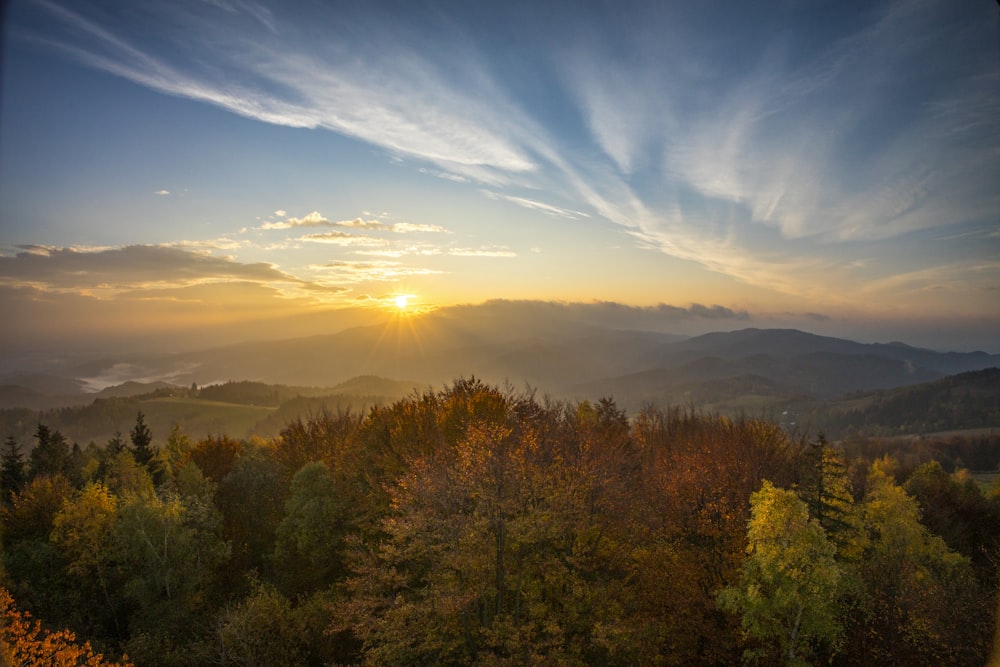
[{"x": 263, "y": 169}]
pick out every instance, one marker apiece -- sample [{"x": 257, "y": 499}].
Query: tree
[
  {"x": 169, "y": 549},
  {"x": 828, "y": 491},
  {"x": 142, "y": 448},
  {"x": 35, "y": 568},
  {"x": 25, "y": 643},
  {"x": 51, "y": 454},
  {"x": 260, "y": 630},
  {"x": 787, "y": 593},
  {"x": 83, "y": 530},
  {"x": 177, "y": 452},
  {"x": 252, "y": 498},
  {"x": 954, "y": 507},
  {"x": 124, "y": 477},
  {"x": 497, "y": 550},
  {"x": 911, "y": 600},
  {"x": 12, "y": 472},
  {"x": 309, "y": 545},
  {"x": 216, "y": 455}
]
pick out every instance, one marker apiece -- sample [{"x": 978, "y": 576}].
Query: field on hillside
[{"x": 198, "y": 418}]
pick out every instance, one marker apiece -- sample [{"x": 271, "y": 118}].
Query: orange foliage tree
[{"x": 25, "y": 643}]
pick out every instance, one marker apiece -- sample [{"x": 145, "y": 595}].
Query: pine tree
[
  {"x": 142, "y": 450},
  {"x": 829, "y": 494},
  {"x": 141, "y": 438},
  {"x": 51, "y": 455},
  {"x": 12, "y": 472},
  {"x": 115, "y": 446}
]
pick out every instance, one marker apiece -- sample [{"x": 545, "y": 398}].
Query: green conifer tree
[{"x": 12, "y": 471}]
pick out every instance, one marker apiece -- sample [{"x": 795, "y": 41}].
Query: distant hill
[
  {"x": 372, "y": 385},
  {"x": 757, "y": 368},
  {"x": 557, "y": 351},
  {"x": 131, "y": 388},
  {"x": 964, "y": 401},
  {"x": 53, "y": 392},
  {"x": 44, "y": 384},
  {"x": 240, "y": 409}
]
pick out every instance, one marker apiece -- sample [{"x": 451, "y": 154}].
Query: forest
[{"x": 476, "y": 524}]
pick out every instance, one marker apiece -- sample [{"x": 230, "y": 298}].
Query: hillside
[
  {"x": 964, "y": 401},
  {"x": 240, "y": 409},
  {"x": 559, "y": 354}
]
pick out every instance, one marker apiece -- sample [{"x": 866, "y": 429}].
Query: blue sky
[{"x": 826, "y": 165}]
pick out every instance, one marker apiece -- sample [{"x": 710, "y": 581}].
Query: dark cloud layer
[{"x": 127, "y": 267}]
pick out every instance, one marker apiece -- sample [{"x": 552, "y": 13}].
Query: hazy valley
[{"x": 562, "y": 353}]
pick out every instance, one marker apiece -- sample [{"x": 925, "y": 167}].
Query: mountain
[
  {"x": 555, "y": 350},
  {"x": 751, "y": 368}
]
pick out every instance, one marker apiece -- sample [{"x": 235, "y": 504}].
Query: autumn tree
[
  {"x": 126, "y": 478},
  {"x": 912, "y": 600},
  {"x": 33, "y": 565},
  {"x": 693, "y": 498},
  {"x": 83, "y": 530},
  {"x": 787, "y": 593},
  {"x": 497, "y": 550},
  {"x": 26, "y": 642},
  {"x": 215, "y": 455},
  {"x": 322, "y": 437},
  {"x": 954, "y": 507}
]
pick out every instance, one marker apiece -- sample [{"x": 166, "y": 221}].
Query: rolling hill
[{"x": 555, "y": 353}]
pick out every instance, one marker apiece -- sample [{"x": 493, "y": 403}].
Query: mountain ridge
[{"x": 634, "y": 366}]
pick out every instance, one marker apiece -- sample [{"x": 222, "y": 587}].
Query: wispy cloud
[
  {"x": 342, "y": 239},
  {"x": 444, "y": 174},
  {"x": 221, "y": 243},
  {"x": 404, "y": 104},
  {"x": 481, "y": 252},
  {"x": 402, "y": 251},
  {"x": 409, "y": 228},
  {"x": 955, "y": 278},
  {"x": 536, "y": 205},
  {"x": 817, "y": 147},
  {"x": 162, "y": 193},
  {"x": 345, "y": 271},
  {"x": 316, "y": 219}
]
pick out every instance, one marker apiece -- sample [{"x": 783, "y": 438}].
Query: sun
[{"x": 402, "y": 301}]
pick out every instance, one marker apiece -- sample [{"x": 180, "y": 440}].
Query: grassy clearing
[{"x": 986, "y": 479}]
